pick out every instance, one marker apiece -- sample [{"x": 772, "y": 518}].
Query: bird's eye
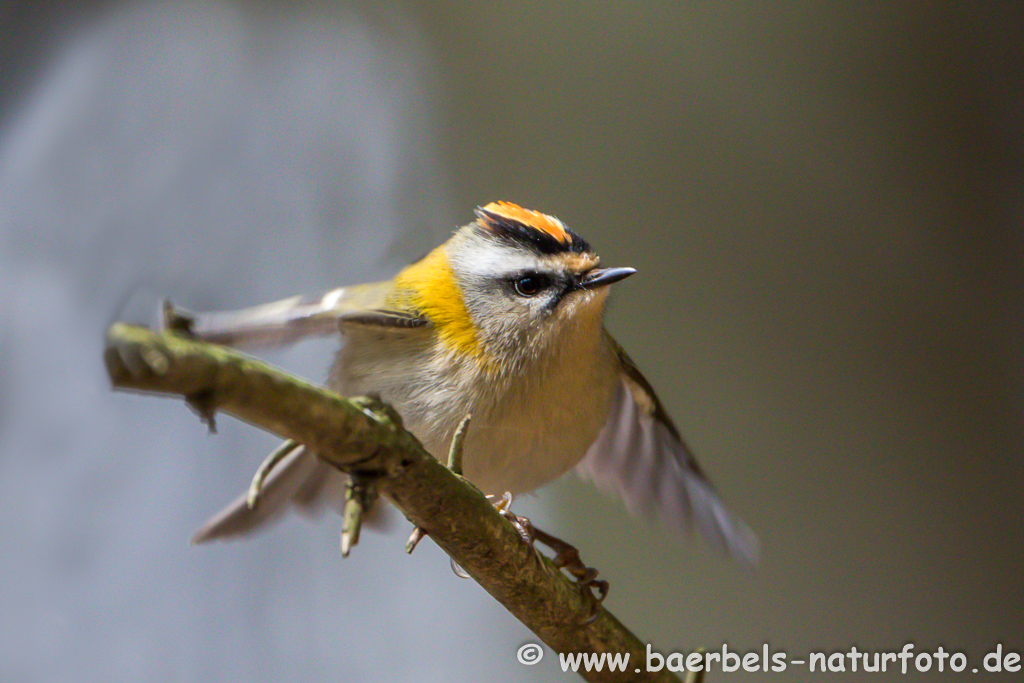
[{"x": 529, "y": 284}]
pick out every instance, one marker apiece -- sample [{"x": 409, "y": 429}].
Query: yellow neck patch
[{"x": 428, "y": 286}]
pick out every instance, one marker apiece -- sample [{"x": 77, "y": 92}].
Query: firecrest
[{"x": 503, "y": 321}]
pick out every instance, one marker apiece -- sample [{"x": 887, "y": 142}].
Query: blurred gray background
[{"x": 825, "y": 207}]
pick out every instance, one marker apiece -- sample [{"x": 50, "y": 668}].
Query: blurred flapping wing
[
  {"x": 640, "y": 456},
  {"x": 289, "y": 320}
]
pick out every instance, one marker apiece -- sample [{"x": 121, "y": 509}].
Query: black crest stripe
[{"x": 511, "y": 230}]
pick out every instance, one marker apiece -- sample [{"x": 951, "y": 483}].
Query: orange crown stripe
[{"x": 534, "y": 219}]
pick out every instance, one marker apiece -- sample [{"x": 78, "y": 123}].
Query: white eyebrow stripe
[{"x": 496, "y": 260}]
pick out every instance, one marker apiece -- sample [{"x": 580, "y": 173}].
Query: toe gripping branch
[{"x": 567, "y": 556}]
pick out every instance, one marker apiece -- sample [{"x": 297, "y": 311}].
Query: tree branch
[{"x": 367, "y": 438}]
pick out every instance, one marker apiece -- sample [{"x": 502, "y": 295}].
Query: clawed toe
[
  {"x": 567, "y": 556},
  {"x": 521, "y": 524}
]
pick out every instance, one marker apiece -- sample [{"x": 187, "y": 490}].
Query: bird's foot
[
  {"x": 265, "y": 468},
  {"x": 567, "y": 556},
  {"x": 455, "y": 465}
]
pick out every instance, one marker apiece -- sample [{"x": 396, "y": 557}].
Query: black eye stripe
[{"x": 529, "y": 283}]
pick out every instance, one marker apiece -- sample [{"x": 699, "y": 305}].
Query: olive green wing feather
[{"x": 286, "y": 321}]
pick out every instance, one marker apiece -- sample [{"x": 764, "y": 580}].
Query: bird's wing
[
  {"x": 286, "y": 321},
  {"x": 287, "y": 483},
  {"x": 640, "y": 456},
  {"x": 301, "y": 481}
]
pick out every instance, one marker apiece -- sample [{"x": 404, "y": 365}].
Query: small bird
[{"x": 503, "y": 321}]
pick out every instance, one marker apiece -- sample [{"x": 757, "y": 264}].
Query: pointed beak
[{"x": 599, "y": 277}]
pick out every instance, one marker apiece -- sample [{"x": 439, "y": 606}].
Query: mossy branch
[{"x": 367, "y": 438}]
